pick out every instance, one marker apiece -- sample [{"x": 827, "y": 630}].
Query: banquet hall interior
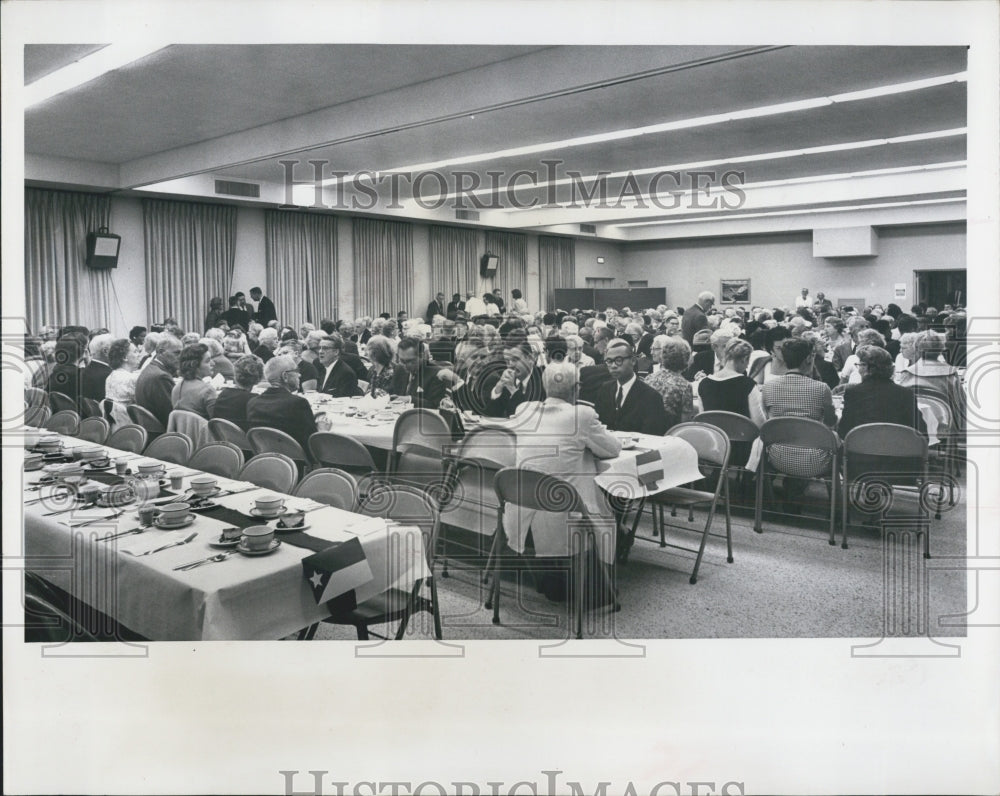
[{"x": 464, "y": 260}]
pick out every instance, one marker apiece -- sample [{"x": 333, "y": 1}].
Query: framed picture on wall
[{"x": 734, "y": 291}]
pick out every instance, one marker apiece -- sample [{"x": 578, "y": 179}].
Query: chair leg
[
  {"x": 579, "y": 572},
  {"x": 494, "y": 552},
  {"x": 411, "y": 604},
  {"x": 435, "y": 611},
  {"x": 729, "y": 524},
  {"x": 663, "y": 525},
  {"x": 362, "y": 632},
  {"x": 308, "y": 633},
  {"x": 758, "y": 505},
  {"x": 704, "y": 540},
  {"x": 845, "y": 510}
]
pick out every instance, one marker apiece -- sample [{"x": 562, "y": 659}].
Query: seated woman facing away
[{"x": 231, "y": 404}]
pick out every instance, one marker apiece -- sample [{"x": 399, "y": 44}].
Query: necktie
[{"x": 618, "y": 399}]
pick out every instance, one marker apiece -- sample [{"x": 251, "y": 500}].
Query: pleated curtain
[
  {"x": 556, "y": 268},
  {"x": 512, "y": 249},
  {"x": 60, "y": 289},
  {"x": 383, "y": 267},
  {"x": 455, "y": 254},
  {"x": 190, "y": 255},
  {"x": 301, "y": 265}
]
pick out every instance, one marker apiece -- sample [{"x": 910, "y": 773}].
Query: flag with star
[
  {"x": 649, "y": 468},
  {"x": 336, "y": 570}
]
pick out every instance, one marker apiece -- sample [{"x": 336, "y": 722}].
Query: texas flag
[
  {"x": 649, "y": 468},
  {"x": 336, "y": 570}
]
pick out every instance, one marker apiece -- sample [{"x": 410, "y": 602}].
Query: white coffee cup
[
  {"x": 258, "y": 537},
  {"x": 174, "y": 513},
  {"x": 203, "y": 485},
  {"x": 151, "y": 469},
  {"x": 269, "y": 505}
]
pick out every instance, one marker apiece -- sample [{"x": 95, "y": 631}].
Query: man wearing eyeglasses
[
  {"x": 626, "y": 403},
  {"x": 520, "y": 381},
  {"x": 336, "y": 378},
  {"x": 278, "y": 407}
]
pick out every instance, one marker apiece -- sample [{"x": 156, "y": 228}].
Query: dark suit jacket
[
  {"x": 879, "y": 401},
  {"x": 265, "y": 311},
  {"x": 693, "y": 319},
  {"x": 355, "y": 363},
  {"x": 454, "y": 307},
  {"x": 507, "y": 403},
  {"x": 442, "y": 350},
  {"x": 592, "y": 379},
  {"x": 280, "y": 409},
  {"x": 342, "y": 381},
  {"x": 841, "y": 352},
  {"x": 153, "y": 389},
  {"x": 92, "y": 379},
  {"x": 231, "y": 405},
  {"x": 826, "y": 372},
  {"x": 426, "y": 390},
  {"x": 434, "y": 309},
  {"x": 593, "y": 353},
  {"x": 66, "y": 379},
  {"x": 234, "y": 315},
  {"x": 702, "y": 361},
  {"x": 642, "y": 411}
]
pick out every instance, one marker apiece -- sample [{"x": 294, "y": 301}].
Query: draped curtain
[
  {"x": 60, "y": 289},
  {"x": 301, "y": 265},
  {"x": 383, "y": 267},
  {"x": 556, "y": 268},
  {"x": 190, "y": 255},
  {"x": 455, "y": 254},
  {"x": 512, "y": 249}
]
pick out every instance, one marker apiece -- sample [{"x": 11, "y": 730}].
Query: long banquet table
[{"x": 240, "y": 598}]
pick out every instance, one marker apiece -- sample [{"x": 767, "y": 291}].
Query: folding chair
[
  {"x": 273, "y": 471},
  {"x": 407, "y": 506},
  {"x": 742, "y": 432},
  {"x": 171, "y": 446},
  {"x": 191, "y": 424},
  {"x": 274, "y": 441},
  {"x": 60, "y": 402},
  {"x": 419, "y": 439},
  {"x": 331, "y": 486},
  {"x": 128, "y": 438},
  {"x": 94, "y": 429},
  {"x": 886, "y": 453},
  {"x": 90, "y": 408},
  {"x": 37, "y": 416},
  {"x": 65, "y": 421},
  {"x": 807, "y": 435},
  {"x": 218, "y": 458},
  {"x": 712, "y": 445},
  {"x": 143, "y": 417},
  {"x": 35, "y": 397},
  {"x": 227, "y": 431}
]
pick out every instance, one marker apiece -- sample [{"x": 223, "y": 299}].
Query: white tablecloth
[{"x": 241, "y": 598}]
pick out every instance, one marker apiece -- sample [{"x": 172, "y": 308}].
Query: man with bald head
[
  {"x": 694, "y": 318},
  {"x": 155, "y": 384},
  {"x": 278, "y": 406}
]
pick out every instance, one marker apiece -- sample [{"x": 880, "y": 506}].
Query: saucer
[
  {"x": 221, "y": 542},
  {"x": 279, "y": 528},
  {"x": 215, "y": 491},
  {"x": 256, "y": 513},
  {"x": 275, "y": 544},
  {"x": 175, "y": 525},
  {"x": 106, "y": 466}
]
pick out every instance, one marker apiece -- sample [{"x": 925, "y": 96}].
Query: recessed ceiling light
[{"x": 92, "y": 66}]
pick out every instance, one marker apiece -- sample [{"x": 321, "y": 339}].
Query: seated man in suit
[
  {"x": 520, "y": 381},
  {"x": 455, "y": 306},
  {"x": 627, "y": 404},
  {"x": 155, "y": 384},
  {"x": 336, "y": 377},
  {"x": 278, "y": 407},
  {"x": 418, "y": 377},
  {"x": 93, "y": 376},
  {"x": 709, "y": 361},
  {"x": 878, "y": 399}
]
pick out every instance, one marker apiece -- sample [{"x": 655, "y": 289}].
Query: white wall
[{"x": 780, "y": 265}]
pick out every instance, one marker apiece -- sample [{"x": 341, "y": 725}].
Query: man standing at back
[
  {"x": 694, "y": 318},
  {"x": 436, "y": 307},
  {"x": 155, "y": 384},
  {"x": 265, "y": 307},
  {"x": 627, "y": 404}
]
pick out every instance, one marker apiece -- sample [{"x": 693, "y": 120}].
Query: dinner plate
[
  {"x": 256, "y": 513},
  {"x": 279, "y": 528},
  {"x": 275, "y": 544},
  {"x": 175, "y": 525},
  {"x": 99, "y": 467},
  {"x": 223, "y": 542}
]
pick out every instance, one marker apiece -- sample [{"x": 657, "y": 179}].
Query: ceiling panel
[{"x": 43, "y": 59}]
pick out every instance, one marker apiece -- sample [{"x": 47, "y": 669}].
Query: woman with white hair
[{"x": 220, "y": 362}]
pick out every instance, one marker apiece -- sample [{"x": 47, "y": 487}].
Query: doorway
[{"x": 937, "y": 288}]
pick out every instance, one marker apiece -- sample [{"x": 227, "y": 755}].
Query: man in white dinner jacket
[{"x": 558, "y": 437}]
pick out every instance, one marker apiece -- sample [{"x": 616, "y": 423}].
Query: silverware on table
[
  {"x": 113, "y": 516},
  {"x": 178, "y": 543},
  {"x": 210, "y": 560}
]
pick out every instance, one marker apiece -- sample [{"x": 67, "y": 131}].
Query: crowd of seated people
[{"x": 637, "y": 369}]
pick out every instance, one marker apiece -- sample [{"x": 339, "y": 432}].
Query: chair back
[
  {"x": 710, "y": 441},
  {"x": 539, "y": 491},
  {"x": 35, "y": 397},
  {"x": 218, "y": 458},
  {"x": 493, "y": 448},
  {"x": 94, "y": 429},
  {"x": 418, "y": 441},
  {"x": 272, "y": 471},
  {"x": 272, "y": 440},
  {"x": 128, "y": 438},
  {"x": 60, "y": 402},
  {"x": 90, "y": 408},
  {"x": 885, "y": 449},
  {"x": 737, "y": 427},
  {"x": 331, "y": 486},
  {"x": 227, "y": 431},
  {"x": 800, "y": 432},
  {"x": 191, "y": 424},
  {"x": 141, "y": 416},
  {"x": 65, "y": 421},
  {"x": 337, "y": 450},
  {"x": 171, "y": 446},
  {"x": 940, "y": 407},
  {"x": 407, "y": 506},
  {"x": 37, "y": 416}
]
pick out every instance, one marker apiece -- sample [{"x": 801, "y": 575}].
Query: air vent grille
[
  {"x": 467, "y": 215},
  {"x": 591, "y": 229},
  {"x": 230, "y": 188}
]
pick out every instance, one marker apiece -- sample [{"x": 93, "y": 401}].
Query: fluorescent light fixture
[
  {"x": 681, "y": 124},
  {"x": 88, "y": 68},
  {"x": 806, "y": 211}
]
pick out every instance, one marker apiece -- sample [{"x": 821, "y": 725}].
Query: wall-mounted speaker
[
  {"x": 488, "y": 265},
  {"x": 102, "y": 249}
]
